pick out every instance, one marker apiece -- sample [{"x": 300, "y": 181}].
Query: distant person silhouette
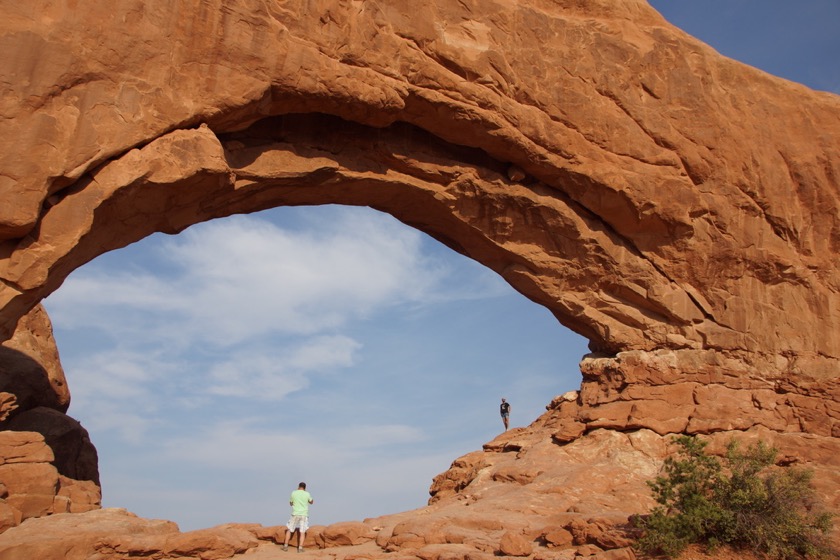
[
  {"x": 504, "y": 410},
  {"x": 299, "y": 521}
]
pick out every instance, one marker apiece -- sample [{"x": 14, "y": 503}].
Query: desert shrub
[{"x": 740, "y": 502}]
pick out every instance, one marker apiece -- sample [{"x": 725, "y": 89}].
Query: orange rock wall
[
  {"x": 649, "y": 192},
  {"x": 677, "y": 208}
]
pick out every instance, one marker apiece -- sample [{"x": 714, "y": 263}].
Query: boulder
[
  {"x": 8, "y": 404},
  {"x": 514, "y": 544},
  {"x": 115, "y": 533},
  {"x": 75, "y": 536},
  {"x": 345, "y": 534},
  {"x": 73, "y": 453},
  {"x": 31, "y": 484},
  {"x": 557, "y": 537},
  {"x": 30, "y": 368}
]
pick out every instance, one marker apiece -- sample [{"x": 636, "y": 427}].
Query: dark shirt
[{"x": 504, "y": 408}]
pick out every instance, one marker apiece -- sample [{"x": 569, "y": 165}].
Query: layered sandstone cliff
[{"x": 677, "y": 208}]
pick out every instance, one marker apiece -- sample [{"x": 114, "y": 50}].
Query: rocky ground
[
  {"x": 524, "y": 495},
  {"x": 275, "y": 552}
]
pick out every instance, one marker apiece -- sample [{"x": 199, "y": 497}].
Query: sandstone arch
[
  {"x": 678, "y": 209},
  {"x": 595, "y": 151}
]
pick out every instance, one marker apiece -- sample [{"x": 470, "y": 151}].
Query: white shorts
[{"x": 300, "y": 522}]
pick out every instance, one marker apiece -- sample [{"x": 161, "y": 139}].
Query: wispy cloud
[
  {"x": 248, "y": 277},
  {"x": 271, "y": 374},
  {"x": 367, "y": 462},
  {"x": 119, "y": 389},
  {"x": 246, "y": 475},
  {"x": 240, "y": 308},
  {"x": 226, "y": 281},
  {"x": 254, "y": 350}
]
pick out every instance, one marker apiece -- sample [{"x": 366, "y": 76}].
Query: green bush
[{"x": 740, "y": 502}]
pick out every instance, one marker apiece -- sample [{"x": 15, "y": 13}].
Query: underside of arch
[
  {"x": 596, "y": 158},
  {"x": 541, "y": 241}
]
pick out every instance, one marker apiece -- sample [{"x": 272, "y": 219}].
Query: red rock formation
[
  {"x": 32, "y": 486},
  {"x": 29, "y": 365},
  {"x": 74, "y": 455},
  {"x": 559, "y": 188},
  {"x": 677, "y": 208}
]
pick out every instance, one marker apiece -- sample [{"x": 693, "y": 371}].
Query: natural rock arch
[
  {"x": 678, "y": 209},
  {"x": 579, "y": 120}
]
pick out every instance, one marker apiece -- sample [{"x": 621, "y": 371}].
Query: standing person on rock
[
  {"x": 504, "y": 410},
  {"x": 299, "y": 521}
]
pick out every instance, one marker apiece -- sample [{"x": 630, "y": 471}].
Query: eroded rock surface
[
  {"x": 523, "y": 495},
  {"x": 30, "y": 368},
  {"x": 594, "y": 156},
  {"x": 492, "y": 515},
  {"x": 32, "y": 486},
  {"x": 675, "y": 207}
]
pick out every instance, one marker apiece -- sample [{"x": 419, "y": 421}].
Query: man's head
[
  {"x": 503, "y": 399},
  {"x": 302, "y": 486}
]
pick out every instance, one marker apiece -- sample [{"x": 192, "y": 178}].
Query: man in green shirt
[{"x": 299, "y": 521}]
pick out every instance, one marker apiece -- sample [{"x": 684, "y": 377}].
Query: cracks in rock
[
  {"x": 785, "y": 232},
  {"x": 358, "y": 148},
  {"x": 463, "y": 74},
  {"x": 634, "y": 249},
  {"x": 60, "y": 89},
  {"x": 460, "y": 101},
  {"x": 777, "y": 225},
  {"x": 615, "y": 100},
  {"x": 14, "y": 286},
  {"x": 400, "y": 147},
  {"x": 437, "y": 152}
]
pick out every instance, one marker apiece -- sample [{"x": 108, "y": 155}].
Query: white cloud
[
  {"x": 237, "y": 309},
  {"x": 119, "y": 374},
  {"x": 324, "y": 352},
  {"x": 118, "y": 390},
  {"x": 247, "y": 490},
  {"x": 248, "y": 277},
  {"x": 229, "y": 280},
  {"x": 239, "y": 444},
  {"x": 168, "y": 344},
  {"x": 353, "y": 471},
  {"x": 256, "y": 377},
  {"x": 116, "y": 289},
  {"x": 271, "y": 375}
]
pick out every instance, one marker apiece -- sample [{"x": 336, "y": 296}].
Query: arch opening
[
  {"x": 535, "y": 237},
  {"x": 372, "y": 403},
  {"x": 544, "y": 243}
]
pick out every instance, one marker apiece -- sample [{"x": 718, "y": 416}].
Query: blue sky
[{"x": 216, "y": 369}]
